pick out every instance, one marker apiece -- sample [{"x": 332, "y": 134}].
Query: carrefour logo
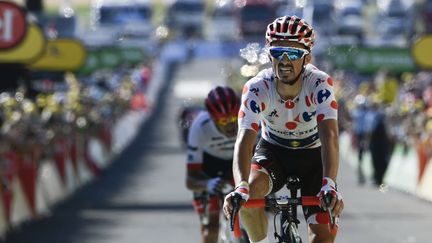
[
  {"x": 307, "y": 116},
  {"x": 323, "y": 95},
  {"x": 254, "y": 107}
]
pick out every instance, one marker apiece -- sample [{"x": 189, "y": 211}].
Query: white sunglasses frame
[{"x": 305, "y": 52}]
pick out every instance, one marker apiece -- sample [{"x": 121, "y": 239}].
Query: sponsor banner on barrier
[
  {"x": 372, "y": 59},
  {"x": 111, "y": 57},
  {"x": 61, "y": 55},
  {"x": 422, "y": 52},
  {"x": 30, "y": 49},
  {"x": 13, "y": 25}
]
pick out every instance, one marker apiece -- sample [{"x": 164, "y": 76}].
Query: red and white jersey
[
  {"x": 204, "y": 137},
  {"x": 289, "y": 123}
]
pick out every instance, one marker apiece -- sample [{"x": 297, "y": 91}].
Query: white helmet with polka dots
[{"x": 291, "y": 28}]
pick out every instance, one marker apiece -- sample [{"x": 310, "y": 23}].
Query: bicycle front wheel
[{"x": 294, "y": 234}]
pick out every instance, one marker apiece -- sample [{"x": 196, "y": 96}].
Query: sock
[{"x": 265, "y": 240}]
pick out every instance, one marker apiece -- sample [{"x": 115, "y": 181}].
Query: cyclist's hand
[
  {"x": 215, "y": 185},
  {"x": 336, "y": 204},
  {"x": 241, "y": 191}
]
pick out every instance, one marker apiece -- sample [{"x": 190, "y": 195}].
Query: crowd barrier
[
  {"x": 34, "y": 185},
  {"x": 407, "y": 171}
]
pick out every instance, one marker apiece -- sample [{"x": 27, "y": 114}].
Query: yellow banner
[
  {"x": 61, "y": 55},
  {"x": 422, "y": 52},
  {"x": 29, "y": 50}
]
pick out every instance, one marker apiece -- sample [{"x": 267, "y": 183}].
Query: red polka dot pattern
[
  {"x": 263, "y": 107},
  {"x": 289, "y": 104},
  {"x": 241, "y": 114},
  {"x": 245, "y": 103},
  {"x": 320, "y": 117},
  {"x": 330, "y": 81},
  {"x": 291, "y": 125},
  {"x": 334, "y": 104},
  {"x": 245, "y": 89},
  {"x": 255, "y": 126},
  {"x": 307, "y": 101}
]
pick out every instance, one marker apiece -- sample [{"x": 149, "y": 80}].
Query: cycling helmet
[
  {"x": 222, "y": 102},
  {"x": 291, "y": 28}
]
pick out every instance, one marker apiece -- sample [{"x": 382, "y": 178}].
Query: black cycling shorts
[
  {"x": 213, "y": 167},
  {"x": 306, "y": 164},
  {"x": 216, "y": 167}
]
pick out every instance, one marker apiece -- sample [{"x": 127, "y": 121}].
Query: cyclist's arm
[
  {"x": 329, "y": 136},
  {"x": 196, "y": 180},
  {"x": 243, "y": 152}
]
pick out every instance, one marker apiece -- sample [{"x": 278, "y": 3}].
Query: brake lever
[
  {"x": 327, "y": 203},
  {"x": 236, "y": 199}
]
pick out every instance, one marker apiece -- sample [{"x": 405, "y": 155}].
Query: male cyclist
[
  {"x": 210, "y": 154},
  {"x": 294, "y": 103}
]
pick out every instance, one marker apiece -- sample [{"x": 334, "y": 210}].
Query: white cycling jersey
[
  {"x": 204, "y": 137},
  {"x": 289, "y": 123}
]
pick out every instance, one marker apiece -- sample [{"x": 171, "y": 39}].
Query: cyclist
[
  {"x": 294, "y": 103},
  {"x": 210, "y": 153}
]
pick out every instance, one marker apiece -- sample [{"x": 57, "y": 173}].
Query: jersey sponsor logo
[
  {"x": 319, "y": 81},
  {"x": 295, "y": 133},
  {"x": 273, "y": 175},
  {"x": 307, "y": 116},
  {"x": 254, "y": 90},
  {"x": 254, "y": 107},
  {"x": 259, "y": 158},
  {"x": 192, "y": 148},
  {"x": 323, "y": 95},
  {"x": 245, "y": 103},
  {"x": 294, "y": 143},
  {"x": 274, "y": 113}
]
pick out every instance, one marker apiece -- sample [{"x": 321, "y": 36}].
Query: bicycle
[
  {"x": 286, "y": 206},
  {"x": 225, "y": 233}
]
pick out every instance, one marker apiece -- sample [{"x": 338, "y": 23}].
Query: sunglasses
[
  {"x": 225, "y": 121},
  {"x": 293, "y": 53}
]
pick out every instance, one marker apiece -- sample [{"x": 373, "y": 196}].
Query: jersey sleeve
[
  {"x": 253, "y": 104},
  {"x": 326, "y": 104},
  {"x": 195, "y": 146}
]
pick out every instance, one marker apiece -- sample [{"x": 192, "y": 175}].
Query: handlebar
[{"x": 279, "y": 202}]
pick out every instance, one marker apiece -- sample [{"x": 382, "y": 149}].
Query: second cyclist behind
[{"x": 210, "y": 148}]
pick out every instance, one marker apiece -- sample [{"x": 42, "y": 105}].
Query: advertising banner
[
  {"x": 370, "y": 60},
  {"x": 61, "y": 55},
  {"x": 13, "y": 25},
  {"x": 28, "y": 50}
]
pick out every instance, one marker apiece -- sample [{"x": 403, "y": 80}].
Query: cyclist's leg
[
  {"x": 255, "y": 219},
  {"x": 267, "y": 176},
  {"x": 319, "y": 233},
  {"x": 311, "y": 174},
  {"x": 210, "y": 229},
  {"x": 210, "y": 232}
]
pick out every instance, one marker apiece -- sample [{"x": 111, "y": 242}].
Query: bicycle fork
[{"x": 289, "y": 221}]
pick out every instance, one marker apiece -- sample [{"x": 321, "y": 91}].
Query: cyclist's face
[
  {"x": 287, "y": 70},
  {"x": 229, "y": 129}
]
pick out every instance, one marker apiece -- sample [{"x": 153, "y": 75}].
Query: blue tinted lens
[{"x": 293, "y": 54}]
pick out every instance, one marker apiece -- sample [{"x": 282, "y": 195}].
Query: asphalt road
[{"x": 142, "y": 196}]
